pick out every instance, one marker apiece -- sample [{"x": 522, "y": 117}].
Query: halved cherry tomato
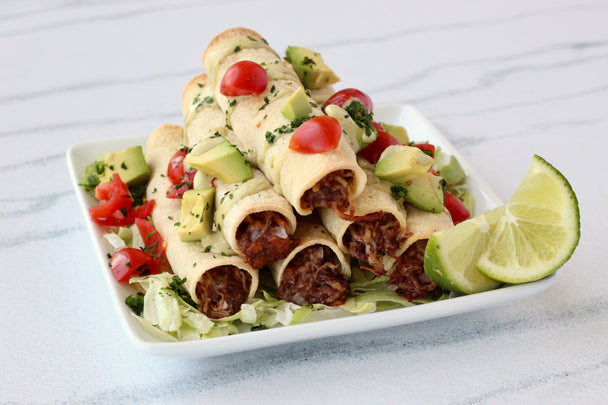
[
  {"x": 128, "y": 262},
  {"x": 115, "y": 203},
  {"x": 456, "y": 207},
  {"x": 427, "y": 148},
  {"x": 178, "y": 189},
  {"x": 175, "y": 170},
  {"x": 372, "y": 152},
  {"x": 244, "y": 78},
  {"x": 318, "y": 134},
  {"x": 342, "y": 97}
]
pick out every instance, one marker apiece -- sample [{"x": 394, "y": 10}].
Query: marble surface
[{"x": 502, "y": 80}]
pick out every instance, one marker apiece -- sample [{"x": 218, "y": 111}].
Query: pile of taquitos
[{"x": 305, "y": 218}]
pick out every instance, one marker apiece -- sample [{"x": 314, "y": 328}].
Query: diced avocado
[
  {"x": 401, "y": 163},
  {"x": 197, "y": 214},
  {"x": 426, "y": 192},
  {"x": 126, "y": 234},
  {"x": 297, "y": 105},
  {"x": 310, "y": 68},
  {"x": 353, "y": 131},
  {"x": 129, "y": 163},
  {"x": 223, "y": 161},
  {"x": 452, "y": 172},
  {"x": 397, "y": 131},
  {"x": 91, "y": 175}
]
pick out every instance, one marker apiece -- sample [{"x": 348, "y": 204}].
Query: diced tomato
[
  {"x": 378, "y": 126},
  {"x": 175, "y": 170},
  {"x": 143, "y": 211},
  {"x": 342, "y": 97},
  {"x": 318, "y": 134},
  {"x": 115, "y": 203},
  {"x": 128, "y": 262},
  {"x": 152, "y": 239},
  {"x": 178, "y": 189},
  {"x": 214, "y": 182},
  {"x": 244, "y": 78},
  {"x": 456, "y": 207},
  {"x": 372, "y": 152},
  {"x": 427, "y": 148}
]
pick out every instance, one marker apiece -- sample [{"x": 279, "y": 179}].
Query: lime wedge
[
  {"x": 538, "y": 231},
  {"x": 451, "y": 255}
]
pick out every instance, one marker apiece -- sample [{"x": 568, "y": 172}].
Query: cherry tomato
[
  {"x": 342, "y": 97},
  {"x": 318, "y": 134},
  {"x": 372, "y": 152},
  {"x": 178, "y": 189},
  {"x": 456, "y": 207},
  {"x": 427, "y": 148},
  {"x": 143, "y": 211},
  {"x": 128, "y": 262},
  {"x": 115, "y": 203},
  {"x": 244, "y": 78},
  {"x": 175, "y": 170},
  {"x": 155, "y": 245}
]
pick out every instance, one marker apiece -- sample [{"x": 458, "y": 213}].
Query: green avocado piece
[
  {"x": 397, "y": 131},
  {"x": 129, "y": 163},
  {"x": 223, "y": 161},
  {"x": 349, "y": 127},
  {"x": 310, "y": 68},
  {"x": 402, "y": 163},
  {"x": 196, "y": 214},
  {"x": 426, "y": 192},
  {"x": 297, "y": 105},
  {"x": 452, "y": 172}
]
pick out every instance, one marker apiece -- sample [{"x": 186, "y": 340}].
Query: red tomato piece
[
  {"x": 128, "y": 262},
  {"x": 115, "y": 203},
  {"x": 342, "y": 97},
  {"x": 186, "y": 183},
  {"x": 427, "y": 148},
  {"x": 318, "y": 134},
  {"x": 456, "y": 207},
  {"x": 175, "y": 170},
  {"x": 372, "y": 152},
  {"x": 143, "y": 211},
  {"x": 155, "y": 245},
  {"x": 244, "y": 78}
]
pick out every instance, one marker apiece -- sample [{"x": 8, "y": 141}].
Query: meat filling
[
  {"x": 368, "y": 241},
  {"x": 407, "y": 277},
  {"x": 332, "y": 191},
  {"x": 222, "y": 290},
  {"x": 264, "y": 237},
  {"x": 312, "y": 277}
]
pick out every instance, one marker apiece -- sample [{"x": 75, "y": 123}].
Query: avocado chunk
[
  {"x": 310, "y": 68},
  {"x": 401, "y": 163},
  {"x": 452, "y": 172},
  {"x": 349, "y": 127},
  {"x": 297, "y": 105},
  {"x": 398, "y": 132},
  {"x": 196, "y": 215},
  {"x": 223, "y": 161},
  {"x": 426, "y": 192},
  {"x": 130, "y": 165}
]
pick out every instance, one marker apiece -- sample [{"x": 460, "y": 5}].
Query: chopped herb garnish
[{"x": 398, "y": 192}]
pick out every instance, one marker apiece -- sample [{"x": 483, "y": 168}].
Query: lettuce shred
[{"x": 168, "y": 316}]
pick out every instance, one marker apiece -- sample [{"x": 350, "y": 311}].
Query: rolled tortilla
[
  {"x": 187, "y": 259},
  {"x": 301, "y": 178},
  {"x": 406, "y": 276},
  {"x": 318, "y": 280},
  {"x": 377, "y": 233},
  {"x": 256, "y": 221}
]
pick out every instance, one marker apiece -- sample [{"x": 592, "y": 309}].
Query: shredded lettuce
[{"x": 168, "y": 316}]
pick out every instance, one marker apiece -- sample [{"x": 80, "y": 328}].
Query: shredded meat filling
[
  {"x": 407, "y": 277},
  {"x": 312, "y": 277},
  {"x": 222, "y": 290},
  {"x": 332, "y": 191},
  {"x": 264, "y": 237},
  {"x": 368, "y": 241}
]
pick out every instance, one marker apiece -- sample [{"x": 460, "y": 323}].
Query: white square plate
[{"x": 419, "y": 129}]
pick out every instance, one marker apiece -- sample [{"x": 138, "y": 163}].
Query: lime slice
[
  {"x": 538, "y": 231},
  {"x": 451, "y": 255}
]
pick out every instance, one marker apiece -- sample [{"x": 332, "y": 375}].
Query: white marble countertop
[{"x": 501, "y": 80}]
